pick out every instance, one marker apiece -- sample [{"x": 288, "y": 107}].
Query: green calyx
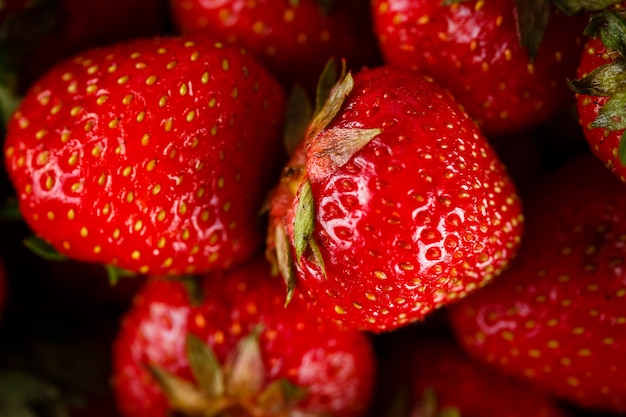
[
  {"x": 328, "y": 149},
  {"x": 608, "y": 80},
  {"x": 429, "y": 407},
  {"x": 236, "y": 388},
  {"x": 571, "y": 7}
]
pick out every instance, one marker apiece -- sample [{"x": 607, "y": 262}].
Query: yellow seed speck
[
  {"x": 135, "y": 255},
  {"x": 84, "y": 232}
]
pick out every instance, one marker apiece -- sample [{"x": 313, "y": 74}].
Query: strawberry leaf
[
  {"x": 572, "y": 7},
  {"x": 205, "y": 367},
  {"x": 317, "y": 255},
  {"x": 245, "y": 370},
  {"x": 194, "y": 290},
  {"x": 429, "y": 407},
  {"x": 279, "y": 396},
  {"x": 115, "y": 274},
  {"x": 332, "y": 148},
  {"x": 10, "y": 211},
  {"x": 611, "y": 28},
  {"x": 451, "y": 2},
  {"x": 621, "y": 149},
  {"x": 285, "y": 261},
  {"x": 532, "y": 19},
  {"x": 298, "y": 115},
  {"x": 611, "y": 115},
  {"x": 603, "y": 81},
  {"x": 304, "y": 222},
  {"x": 181, "y": 394},
  {"x": 43, "y": 249},
  {"x": 331, "y": 106},
  {"x": 328, "y": 78}
]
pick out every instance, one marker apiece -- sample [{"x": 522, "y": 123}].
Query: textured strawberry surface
[
  {"x": 422, "y": 215},
  {"x": 334, "y": 366},
  {"x": 556, "y": 317},
  {"x": 153, "y": 155}
]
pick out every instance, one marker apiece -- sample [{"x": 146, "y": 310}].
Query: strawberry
[
  {"x": 433, "y": 372},
  {"x": 599, "y": 95},
  {"x": 473, "y": 48},
  {"x": 294, "y": 39},
  {"x": 400, "y": 206},
  {"x": 556, "y": 317},
  {"x": 153, "y": 155},
  {"x": 225, "y": 344}
]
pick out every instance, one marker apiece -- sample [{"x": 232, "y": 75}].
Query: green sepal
[
  {"x": 621, "y": 149},
  {"x": 317, "y": 255},
  {"x": 327, "y": 6},
  {"x": 283, "y": 393},
  {"x": 245, "y": 369},
  {"x": 611, "y": 115},
  {"x": 205, "y": 367},
  {"x": 451, "y": 2},
  {"x": 304, "y": 222},
  {"x": 327, "y": 109},
  {"x": 23, "y": 387},
  {"x": 43, "y": 249},
  {"x": 181, "y": 394},
  {"x": 299, "y": 111},
  {"x": 603, "y": 81},
  {"x": 333, "y": 148},
  {"x": 115, "y": 273},
  {"x": 326, "y": 81},
  {"x": 532, "y": 19},
  {"x": 10, "y": 211},
  {"x": 611, "y": 28},
  {"x": 193, "y": 287},
  {"x": 429, "y": 407},
  {"x": 572, "y": 7},
  {"x": 284, "y": 260}
]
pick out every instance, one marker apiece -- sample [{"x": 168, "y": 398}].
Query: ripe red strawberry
[
  {"x": 153, "y": 155},
  {"x": 599, "y": 95},
  {"x": 294, "y": 39},
  {"x": 433, "y": 372},
  {"x": 473, "y": 48},
  {"x": 275, "y": 360},
  {"x": 400, "y": 207},
  {"x": 556, "y": 318}
]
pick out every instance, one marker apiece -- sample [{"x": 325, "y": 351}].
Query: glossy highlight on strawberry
[{"x": 152, "y": 155}]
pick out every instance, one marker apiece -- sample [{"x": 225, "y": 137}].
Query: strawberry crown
[
  {"x": 236, "y": 388},
  {"x": 608, "y": 80},
  {"x": 327, "y": 151}
]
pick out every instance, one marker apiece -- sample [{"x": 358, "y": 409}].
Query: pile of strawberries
[{"x": 313, "y": 209}]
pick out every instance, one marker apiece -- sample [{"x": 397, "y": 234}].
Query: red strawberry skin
[
  {"x": 603, "y": 142},
  {"x": 335, "y": 366},
  {"x": 422, "y": 215},
  {"x": 293, "y": 39},
  {"x": 556, "y": 317},
  {"x": 473, "y": 49},
  {"x": 420, "y": 362},
  {"x": 153, "y": 155}
]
